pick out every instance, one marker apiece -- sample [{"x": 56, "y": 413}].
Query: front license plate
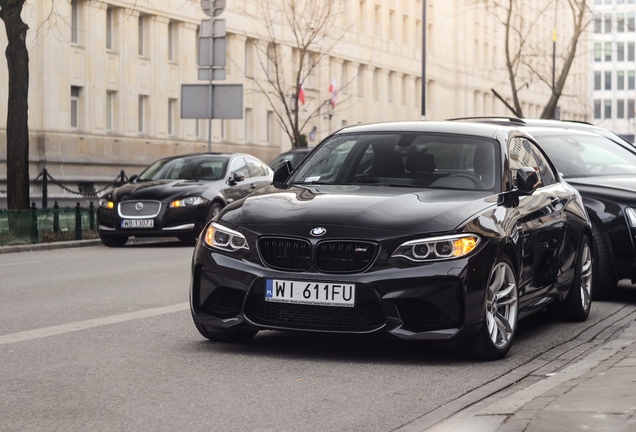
[
  {"x": 138, "y": 223},
  {"x": 313, "y": 293}
]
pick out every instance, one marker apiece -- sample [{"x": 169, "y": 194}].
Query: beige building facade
[{"x": 106, "y": 76}]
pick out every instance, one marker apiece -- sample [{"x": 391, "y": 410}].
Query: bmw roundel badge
[{"x": 318, "y": 231}]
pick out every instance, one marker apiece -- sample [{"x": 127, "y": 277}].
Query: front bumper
[{"x": 435, "y": 301}]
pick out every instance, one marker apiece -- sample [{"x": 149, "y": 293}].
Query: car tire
[
  {"x": 578, "y": 302},
  {"x": 604, "y": 281},
  {"x": 215, "y": 209},
  {"x": 114, "y": 240},
  {"x": 223, "y": 335},
  {"x": 501, "y": 307}
]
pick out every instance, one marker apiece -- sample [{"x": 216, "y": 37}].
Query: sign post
[{"x": 212, "y": 101}]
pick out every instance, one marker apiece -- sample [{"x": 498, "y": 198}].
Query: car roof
[
  {"x": 549, "y": 123},
  {"x": 490, "y": 130}
]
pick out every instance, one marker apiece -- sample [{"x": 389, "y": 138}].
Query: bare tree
[
  {"x": 309, "y": 27},
  {"x": 524, "y": 59},
  {"x": 17, "y": 117}
]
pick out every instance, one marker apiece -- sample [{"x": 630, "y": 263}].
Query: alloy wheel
[{"x": 501, "y": 306}]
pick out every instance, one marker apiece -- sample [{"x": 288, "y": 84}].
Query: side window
[
  {"x": 238, "y": 166},
  {"x": 545, "y": 170},
  {"x": 522, "y": 155},
  {"x": 255, "y": 168}
]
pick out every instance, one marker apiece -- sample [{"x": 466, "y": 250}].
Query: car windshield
[
  {"x": 446, "y": 161},
  {"x": 577, "y": 155},
  {"x": 186, "y": 168}
]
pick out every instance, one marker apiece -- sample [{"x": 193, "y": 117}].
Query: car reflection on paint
[{"x": 420, "y": 230}]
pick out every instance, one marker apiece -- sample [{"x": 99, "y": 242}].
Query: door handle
[
  {"x": 554, "y": 201},
  {"x": 253, "y": 186}
]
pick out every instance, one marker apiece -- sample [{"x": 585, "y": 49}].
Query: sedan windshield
[
  {"x": 578, "y": 155},
  {"x": 445, "y": 161},
  {"x": 186, "y": 168}
]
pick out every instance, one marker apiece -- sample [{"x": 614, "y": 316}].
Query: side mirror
[
  {"x": 281, "y": 173},
  {"x": 527, "y": 180},
  {"x": 132, "y": 178},
  {"x": 235, "y": 178}
]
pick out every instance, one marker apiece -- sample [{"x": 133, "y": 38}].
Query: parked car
[
  {"x": 418, "y": 230},
  {"x": 176, "y": 196},
  {"x": 294, "y": 155},
  {"x": 602, "y": 166}
]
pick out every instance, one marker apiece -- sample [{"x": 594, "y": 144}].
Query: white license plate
[
  {"x": 313, "y": 293},
  {"x": 138, "y": 223}
]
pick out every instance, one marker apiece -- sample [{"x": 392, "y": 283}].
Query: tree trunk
[{"x": 17, "y": 118}]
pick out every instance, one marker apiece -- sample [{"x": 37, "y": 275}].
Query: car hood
[
  {"x": 394, "y": 209},
  {"x": 623, "y": 186},
  {"x": 159, "y": 190}
]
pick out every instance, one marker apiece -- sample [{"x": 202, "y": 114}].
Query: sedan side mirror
[
  {"x": 132, "y": 178},
  {"x": 527, "y": 180},
  {"x": 235, "y": 178},
  {"x": 282, "y": 173}
]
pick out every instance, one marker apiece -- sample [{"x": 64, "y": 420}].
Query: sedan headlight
[
  {"x": 631, "y": 216},
  {"x": 437, "y": 248},
  {"x": 190, "y": 201},
  {"x": 220, "y": 237},
  {"x": 104, "y": 203}
]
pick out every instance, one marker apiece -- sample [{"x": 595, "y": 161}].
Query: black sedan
[
  {"x": 421, "y": 231},
  {"x": 604, "y": 172},
  {"x": 177, "y": 196},
  {"x": 294, "y": 156}
]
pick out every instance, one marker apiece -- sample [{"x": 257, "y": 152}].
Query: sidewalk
[{"x": 587, "y": 385}]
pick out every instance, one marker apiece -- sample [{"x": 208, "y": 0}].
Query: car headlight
[
  {"x": 631, "y": 216},
  {"x": 190, "y": 201},
  {"x": 220, "y": 237},
  {"x": 104, "y": 203},
  {"x": 437, "y": 248}
]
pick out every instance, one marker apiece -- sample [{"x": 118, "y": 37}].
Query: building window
[
  {"x": 249, "y": 64},
  {"x": 620, "y": 23},
  {"x": 597, "y": 109},
  {"x": 270, "y": 127},
  {"x": 608, "y": 80},
  {"x": 630, "y": 51},
  {"x": 630, "y": 109},
  {"x": 141, "y": 40},
  {"x": 631, "y": 80},
  {"x": 620, "y": 51},
  {"x": 620, "y": 109},
  {"x": 598, "y": 23},
  {"x": 141, "y": 114},
  {"x": 248, "y": 124},
  {"x": 171, "y": 42},
  {"x": 597, "y": 80},
  {"x": 608, "y": 109},
  {"x": 110, "y": 110},
  {"x": 403, "y": 91},
  {"x": 109, "y": 29},
  {"x": 172, "y": 112},
  {"x": 74, "y": 22},
  {"x": 608, "y": 23},
  {"x": 390, "y": 88},
  {"x": 598, "y": 52},
  {"x": 376, "y": 84},
  {"x": 631, "y": 21},
  {"x": 620, "y": 80},
  {"x": 361, "y": 81},
  {"x": 608, "y": 51},
  {"x": 75, "y": 100}
]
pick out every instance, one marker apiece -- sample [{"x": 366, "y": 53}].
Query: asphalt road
[{"x": 101, "y": 339}]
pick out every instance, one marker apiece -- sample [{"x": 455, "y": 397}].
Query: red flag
[
  {"x": 301, "y": 94},
  {"x": 334, "y": 92}
]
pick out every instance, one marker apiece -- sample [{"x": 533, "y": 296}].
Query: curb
[{"x": 47, "y": 246}]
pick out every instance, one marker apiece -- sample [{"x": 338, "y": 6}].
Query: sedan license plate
[
  {"x": 138, "y": 223},
  {"x": 313, "y": 293}
]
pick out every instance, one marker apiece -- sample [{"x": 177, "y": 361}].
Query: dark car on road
[
  {"x": 602, "y": 166},
  {"x": 420, "y": 230},
  {"x": 177, "y": 196},
  {"x": 294, "y": 156}
]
